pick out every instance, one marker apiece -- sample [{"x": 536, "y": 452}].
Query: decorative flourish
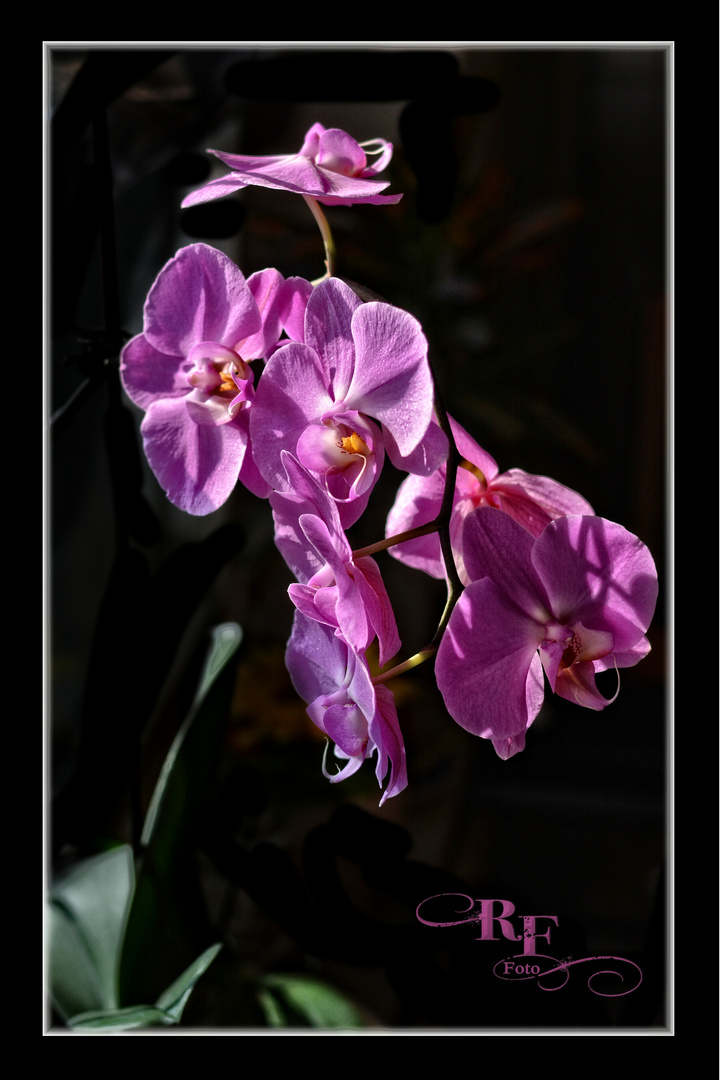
[{"x": 519, "y": 969}]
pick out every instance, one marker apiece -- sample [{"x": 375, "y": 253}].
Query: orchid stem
[
  {"x": 407, "y": 665},
  {"x": 399, "y": 538},
  {"x": 326, "y": 235},
  {"x": 440, "y": 525},
  {"x": 455, "y": 586}
]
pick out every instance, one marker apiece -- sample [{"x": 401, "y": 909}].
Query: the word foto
[{"x": 493, "y": 916}]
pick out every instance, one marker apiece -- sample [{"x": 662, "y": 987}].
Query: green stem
[
  {"x": 407, "y": 665},
  {"x": 326, "y": 235}
]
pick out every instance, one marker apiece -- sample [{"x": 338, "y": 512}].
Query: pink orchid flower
[
  {"x": 332, "y": 588},
  {"x": 190, "y": 371},
  {"x": 330, "y": 167},
  {"x": 575, "y": 601},
  {"x": 359, "y": 716},
  {"x": 359, "y": 366},
  {"x": 533, "y": 501}
]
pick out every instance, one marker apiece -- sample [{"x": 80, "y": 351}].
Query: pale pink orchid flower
[{"x": 330, "y": 167}]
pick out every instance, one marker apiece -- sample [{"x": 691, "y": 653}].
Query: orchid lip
[
  {"x": 581, "y": 644},
  {"x": 220, "y": 378},
  {"x": 331, "y": 448}
]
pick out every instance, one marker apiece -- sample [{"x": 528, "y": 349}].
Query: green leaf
[
  {"x": 271, "y": 1007},
  {"x": 167, "y": 1010},
  {"x": 73, "y": 978},
  {"x": 226, "y": 640},
  {"x": 87, "y": 912},
  {"x": 313, "y": 1002},
  {"x": 137, "y": 1016},
  {"x": 173, "y": 1000},
  {"x": 167, "y": 922}
]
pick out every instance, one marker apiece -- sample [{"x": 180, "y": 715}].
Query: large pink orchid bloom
[
  {"x": 358, "y": 385},
  {"x": 575, "y": 601},
  {"x": 189, "y": 370}
]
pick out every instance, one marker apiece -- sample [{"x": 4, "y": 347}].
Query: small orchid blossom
[
  {"x": 360, "y": 365},
  {"x": 533, "y": 501},
  {"x": 359, "y": 716},
  {"x": 574, "y": 601},
  {"x": 189, "y": 370},
  {"x": 348, "y": 595},
  {"x": 331, "y": 167}
]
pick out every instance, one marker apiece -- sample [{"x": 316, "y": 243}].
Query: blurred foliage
[{"x": 112, "y": 938}]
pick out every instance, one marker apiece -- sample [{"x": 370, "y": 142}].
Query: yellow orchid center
[{"x": 353, "y": 444}]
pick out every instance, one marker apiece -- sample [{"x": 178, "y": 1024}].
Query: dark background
[{"x": 531, "y": 244}]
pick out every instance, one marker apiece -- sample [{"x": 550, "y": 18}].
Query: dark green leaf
[
  {"x": 167, "y": 1010},
  {"x": 174, "y": 999},
  {"x": 88, "y": 909},
  {"x": 167, "y": 923},
  {"x": 137, "y": 1016},
  {"x": 319, "y": 1005}
]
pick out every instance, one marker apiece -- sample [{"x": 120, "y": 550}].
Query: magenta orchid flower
[
  {"x": 358, "y": 385},
  {"x": 190, "y": 371},
  {"x": 533, "y": 501},
  {"x": 359, "y": 716},
  {"x": 332, "y": 588},
  {"x": 575, "y": 601},
  {"x": 330, "y": 167}
]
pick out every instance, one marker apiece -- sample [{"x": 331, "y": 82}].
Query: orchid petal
[
  {"x": 197, "y": 466},
  {"x": 385, "y": 733},
  {"x": 392, "y": 381},
  {"x": 577, "y": 684},
  {"x": 294, "y": 298},
  {"x": 487, "y": 667},
  {"x": 472, "y": 452},
  {"x": 149, "y": 375},
  {"x": 302, "y": 495},
  {"x": 534, "y": 501},
  {"x": 268, "y": 290},
  {"x": 376, "y": 603},
  {"x": 328, "y": 330},
  {"x": 339, "y": 152},
  {"x": 427, "y": 457},
  {"x": 600, "y": 573},
  {"x": 200, "y": 295},
  {"x": 494, "y": 545},
  {"x": 291, "y": 394},
  {"x": 418, "y": 502}
]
